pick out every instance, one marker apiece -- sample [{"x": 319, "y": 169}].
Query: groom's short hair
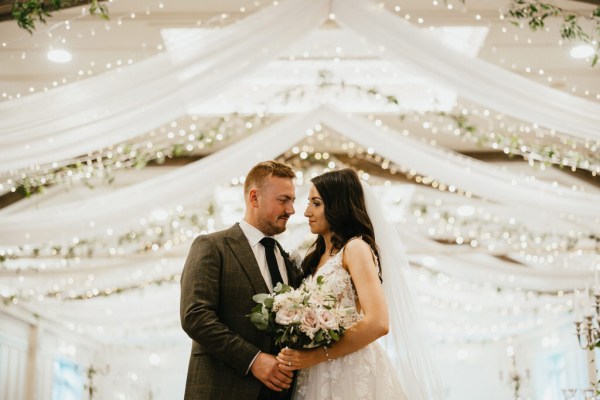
[{"x": 257, "y": 175}]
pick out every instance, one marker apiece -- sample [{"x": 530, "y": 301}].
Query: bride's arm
[{"x": 358, "y": 259}]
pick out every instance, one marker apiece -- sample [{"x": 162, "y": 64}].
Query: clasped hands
[
  {"x": 292, "y": 360},
  {"x": 277, "y": 372}
]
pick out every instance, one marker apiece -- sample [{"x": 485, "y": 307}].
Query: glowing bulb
[
  {"x": 465, "y": 211},
  {"x": 582, "y": 51},
  {"x": 59, "y": 56},
  {"x": 154, "y": 359}
]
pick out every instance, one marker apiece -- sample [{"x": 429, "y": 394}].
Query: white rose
[
  {"x": 310, "y": 285},
  {"x": 281, "y": 300},
  {"x": 296, "y": 259},
  {"x": 287, "y": 316}
]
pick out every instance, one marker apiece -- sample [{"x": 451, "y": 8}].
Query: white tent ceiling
[{"x": 493, "y": 252}]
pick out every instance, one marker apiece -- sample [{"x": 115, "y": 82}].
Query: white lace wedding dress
[{"x": 365, "y": 374}]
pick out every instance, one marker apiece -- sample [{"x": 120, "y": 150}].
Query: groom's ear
[{"x": 253, "y": 197}]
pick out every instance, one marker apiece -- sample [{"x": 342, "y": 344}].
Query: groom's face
[{"x": 275, "y": 204}]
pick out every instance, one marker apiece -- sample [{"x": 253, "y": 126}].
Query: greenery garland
[
  {"x": 476, "y": 231},
  {"x": 102, "y": 165},
  {"x": 88, "y": 294},
  {"x": 535, "y": 13},
  {"x": 26, "y": 12},
  {"x": 159, "y": 234},
  {"x": 564, "y": 153},
  {"x": 151, "y": 237}
]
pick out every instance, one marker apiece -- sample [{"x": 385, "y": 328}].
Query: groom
[{"x": 231, "y": 358}]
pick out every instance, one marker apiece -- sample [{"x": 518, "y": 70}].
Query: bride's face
[{"x": 315, "y": 212}]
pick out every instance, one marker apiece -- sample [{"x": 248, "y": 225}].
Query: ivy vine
[
  {"x": 535, "y": 13},
  {"x": 27, "y": 12},
  {"x": 103, "y": 165}
]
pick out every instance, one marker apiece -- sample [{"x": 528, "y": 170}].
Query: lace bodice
[{"x": 339, "y": 284}]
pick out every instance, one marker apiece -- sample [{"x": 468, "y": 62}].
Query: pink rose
[
  {"x": 326, "y": 319},
  {"x": 309, "y": 323}
]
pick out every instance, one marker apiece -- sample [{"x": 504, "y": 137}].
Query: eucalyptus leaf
[{"x": 260, "y": 298}]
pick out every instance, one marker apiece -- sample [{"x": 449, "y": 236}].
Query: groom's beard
[{"x": 275, "y": 228}]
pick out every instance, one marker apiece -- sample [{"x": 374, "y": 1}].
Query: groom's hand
[{"x": 266, "y": 369}]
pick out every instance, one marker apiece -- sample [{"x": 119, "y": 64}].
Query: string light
[
  {"x": 308, "y": 153},
  {"x": 62, "y": 32},
  {"x": 156, "y": 146}
]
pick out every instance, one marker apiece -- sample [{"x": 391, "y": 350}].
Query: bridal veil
[{"x": 404, "y": 343}]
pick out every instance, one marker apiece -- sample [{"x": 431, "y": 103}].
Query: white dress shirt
[{"x": 254, "y": 236}]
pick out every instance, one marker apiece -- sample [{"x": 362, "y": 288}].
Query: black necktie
[{"x": 269, "y": 245}]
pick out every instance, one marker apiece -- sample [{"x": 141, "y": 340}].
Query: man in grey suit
[{"x": 231, "y": 358}]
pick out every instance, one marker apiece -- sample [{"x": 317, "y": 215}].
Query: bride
[{"x": 345, "y": 216}]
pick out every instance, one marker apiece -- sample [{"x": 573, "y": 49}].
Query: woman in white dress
[{"x": 345, "y": 252}]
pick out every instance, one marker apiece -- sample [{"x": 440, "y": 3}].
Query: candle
[
  {"x": 576, "y": 305},
  {"x": 587, "y": 301}
]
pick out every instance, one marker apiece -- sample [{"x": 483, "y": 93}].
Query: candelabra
[
  {"x": 91, "y": 371},
  {"x": 514, "y": 379},
  {"x": 588, "y": 327}
]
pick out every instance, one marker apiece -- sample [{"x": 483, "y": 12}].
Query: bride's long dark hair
[{"x": 345, "y": 211}]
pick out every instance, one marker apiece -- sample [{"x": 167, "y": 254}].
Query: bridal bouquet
[{"x": 306, "y": 317}]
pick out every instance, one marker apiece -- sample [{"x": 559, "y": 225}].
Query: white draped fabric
[
  {"x": 118, "y": 105},
  {"x": 196, "y": 181},
  {"x": 484, "y": 269},
  {"x": 190, "y": 184},
  {"x": 472, "y": 78},
  {"x": 464, "y": 172}
]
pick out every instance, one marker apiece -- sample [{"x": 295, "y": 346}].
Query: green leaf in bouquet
[
  {"x": 284, "y": 336},
  {"x": 257, "y": 308},
  {"x": 260, "y": 298},
  {"x": 333, "y": 334},
  {"x": 281, "y": 288},
  {"x": 319, "y": 336},
  {"x": 269, "y": 302},
  {"x": 259, "y": 321},
  {"x": 265, "y": 313}
]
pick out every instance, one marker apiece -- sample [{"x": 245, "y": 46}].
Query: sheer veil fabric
[{"x": 404, "y": 343}]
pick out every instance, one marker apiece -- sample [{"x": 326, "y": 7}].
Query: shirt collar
[{"x": 253, "y": 234}]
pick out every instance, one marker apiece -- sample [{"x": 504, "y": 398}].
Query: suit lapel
[{"x": 238, "y": 243}]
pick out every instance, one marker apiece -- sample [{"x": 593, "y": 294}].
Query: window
[
  {"x": 68, "y": 381},
  {"x": 555, "y": 376}
]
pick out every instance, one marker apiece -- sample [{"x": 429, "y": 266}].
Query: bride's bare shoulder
[
  {"x": 357, "y": 248},
  {"x": 356, "y": 242}
]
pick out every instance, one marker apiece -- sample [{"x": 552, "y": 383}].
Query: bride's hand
[{"x": 291, "y": 360}]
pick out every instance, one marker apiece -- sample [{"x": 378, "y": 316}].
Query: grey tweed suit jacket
[{"x": 218, "y": 281}]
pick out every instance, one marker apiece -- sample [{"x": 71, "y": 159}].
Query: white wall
[
  {"x": 28, "y": 349},
  {"x": 137, "y": 374},
  {"x": 14, "y": 342},
  {"x": 558, "y": 341},
  {"x": 472, "y": 371}
]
